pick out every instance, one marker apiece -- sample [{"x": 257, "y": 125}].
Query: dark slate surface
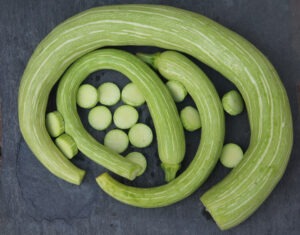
[{"x": 32, "y": 201}]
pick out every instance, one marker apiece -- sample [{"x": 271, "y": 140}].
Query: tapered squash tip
[
  {"x": 148, "y": 58},
  {"x": 170, "y": 171}
]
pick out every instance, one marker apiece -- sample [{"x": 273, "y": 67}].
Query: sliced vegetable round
[
  {"x": 100, "y": 117},
  {"x": 116, "y": 140},
  {"x": 177, "y": 90},
  {"x": 132, "y": 95},
  {"x": 125, "y": 116},
  {"x": 139, "y": 159},
  {"x": 109, "y": 93},
  {"x": 231, "y": 155},
  {"x": 87, "y": 96},
  {"x": 67, "y": 145},
  {"x": 190, "y": 118},
  {"x": 140, "y": 135},
  {"x": 233, "y": 103},
  {"x": 55, "y": 123}
]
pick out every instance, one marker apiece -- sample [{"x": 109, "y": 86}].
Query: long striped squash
[
  {"x": 168, "y": 128},
  {"x": 174, "y": 66},
  {"x": 248, "y": 185}
]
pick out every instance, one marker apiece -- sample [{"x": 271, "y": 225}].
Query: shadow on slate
[{"x": 46, "y": 197}]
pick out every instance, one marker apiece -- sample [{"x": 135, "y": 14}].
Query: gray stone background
[{"x": 32, "y": 201}]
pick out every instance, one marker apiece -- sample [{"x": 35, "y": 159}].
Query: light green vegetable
[
  {"x": 235, "y": 198},
  {"x": 190, "y": 118},
  {"x": 175, "y": 66},
  {"x": 231, "y": 155},
  {"x": 169, "y": 131},
  {"x": 100, "y": 117},
  {"x": 125, "y": 116},
  {"x": 87, "y": 96},
  {"x": 55, "y": 123},
  {"x": 109, "y": 93},
  {"x": 132, "y": 95},
  {"x": 141, "y": 136},
  {"x": 139, "y": 159},
  {"x": 67, "y": 145},
  {"x": 233, "y": 103},
  {"x": 116, "y": 140},
  {"x": 177, "y": 90}
]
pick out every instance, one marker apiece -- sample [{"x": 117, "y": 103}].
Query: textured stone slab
[{"x": 32, "y": 201}]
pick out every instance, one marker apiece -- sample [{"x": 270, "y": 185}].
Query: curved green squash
[
  {"x": 168, "y": 128},
  {"x": 174, "y": 66}
]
